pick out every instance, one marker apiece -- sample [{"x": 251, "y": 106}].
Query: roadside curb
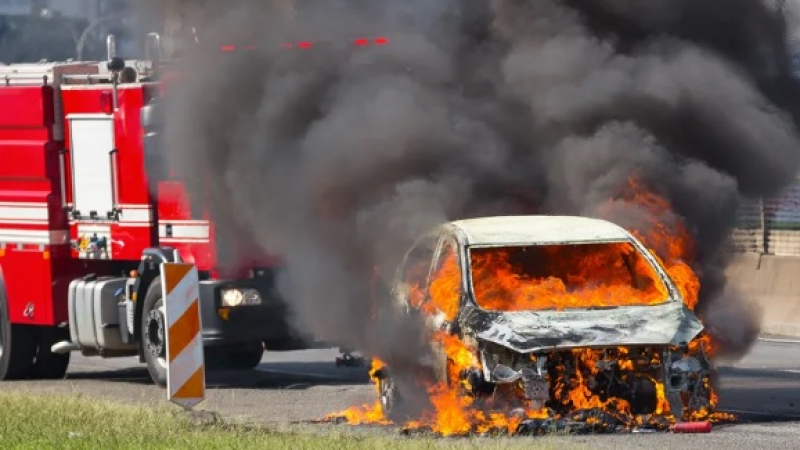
[{"x": 780, "y": 339}]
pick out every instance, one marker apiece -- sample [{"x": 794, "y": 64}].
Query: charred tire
[
  {"x": 17, "y": 347},
  {"x": 699, "y": 399},
  {"x": 245, "y": 358},
  {"x": 49, "y": 365},
  {"x": 390, "y": 398},
  {"x": 153, "y": 333}
]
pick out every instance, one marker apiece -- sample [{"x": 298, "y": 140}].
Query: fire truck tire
[
  {"x": 245, "y": 359},
  {"x": 153, "y": 334},
  {"x": 17, "y": 349},
  {"x": 17, "y": 344},
  {"x": 49, "y": 365},
  {"x": 236, "y": 357}
]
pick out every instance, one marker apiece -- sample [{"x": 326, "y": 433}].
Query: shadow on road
[
  {"x": 273, "y": 375},
  {"x": 754, "y": 395},
  {"x": 760, "y": 395}
]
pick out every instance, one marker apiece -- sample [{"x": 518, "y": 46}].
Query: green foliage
[
  {"x": 41, "y": 422},
  {"x": 33, "y": 38}
]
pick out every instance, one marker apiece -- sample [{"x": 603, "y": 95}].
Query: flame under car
[{"x": 549, "y": 315}]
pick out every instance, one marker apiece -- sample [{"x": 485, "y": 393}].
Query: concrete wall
[{"x": 773, "y": 282}]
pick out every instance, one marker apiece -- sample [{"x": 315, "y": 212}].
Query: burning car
[{"x": 547, "y": 316}]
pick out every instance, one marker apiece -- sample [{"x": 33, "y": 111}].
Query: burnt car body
[{"x": 627, "y": 348}]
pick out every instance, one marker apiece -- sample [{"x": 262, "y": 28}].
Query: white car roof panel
[{"x": 539, "y": 230}]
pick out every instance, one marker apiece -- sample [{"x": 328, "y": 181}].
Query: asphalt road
[{"x": 763, "y": 388}]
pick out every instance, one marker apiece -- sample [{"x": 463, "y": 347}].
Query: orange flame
[
  {"x": 372, "y": 414},
  {"x": 455, "y": 413},
  {"x": 589, "y": 275},
  {"x": 671, "y": 244}
]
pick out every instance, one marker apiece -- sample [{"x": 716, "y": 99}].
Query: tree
[{"x": 32, "y": 38}]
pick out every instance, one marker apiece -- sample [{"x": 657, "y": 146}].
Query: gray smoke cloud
[{"x": 337, "y": 157}]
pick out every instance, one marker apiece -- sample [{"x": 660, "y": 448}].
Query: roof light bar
[{"x": 359, "y": 42}]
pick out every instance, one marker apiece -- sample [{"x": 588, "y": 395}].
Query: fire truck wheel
[
  {"x": 49, "y": 365},
  {"x": 153, "y": 336},
  {"x": 248, "y": 357},
  {"x": 17, "y": 349}
]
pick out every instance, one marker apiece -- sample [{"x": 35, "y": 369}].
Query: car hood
[{"x": 530, "y": 331}]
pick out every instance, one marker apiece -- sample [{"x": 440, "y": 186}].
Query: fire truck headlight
[{"x": 240, "y": 297}]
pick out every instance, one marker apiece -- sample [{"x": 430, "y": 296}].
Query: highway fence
[{"x": 769, "y": 226}]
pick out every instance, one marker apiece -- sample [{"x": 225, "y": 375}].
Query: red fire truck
[{"x": 87, "y": 214}]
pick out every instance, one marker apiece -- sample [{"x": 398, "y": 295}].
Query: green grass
[{"x": 30, "y": 421}]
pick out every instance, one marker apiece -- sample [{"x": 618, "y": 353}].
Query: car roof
[{"x": 539, "y": 229}]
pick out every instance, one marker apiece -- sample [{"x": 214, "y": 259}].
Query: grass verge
[{"x": 31, "y": 421}]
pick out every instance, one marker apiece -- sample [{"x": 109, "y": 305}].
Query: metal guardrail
[
  {"x": 770, "y": 225},
  {"x": 9, "y": 77},
  {"x": 86, "y": 77}
]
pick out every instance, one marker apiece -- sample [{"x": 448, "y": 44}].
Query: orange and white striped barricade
[{"x": 186, "y": 380}]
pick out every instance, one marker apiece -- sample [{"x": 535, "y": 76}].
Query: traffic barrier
[
  {"x": 766, "y": 262},
  {"x": 185, "y": 365},
  {"x": 770, "y": 282}
]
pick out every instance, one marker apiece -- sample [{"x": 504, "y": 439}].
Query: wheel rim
[
  {"x": 155, "y": 338},
  {"x": 387, "y": 394}
]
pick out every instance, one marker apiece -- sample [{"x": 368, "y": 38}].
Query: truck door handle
[
  {"x": 62, "y": 170},
  {"x": 113, "y": 159}
]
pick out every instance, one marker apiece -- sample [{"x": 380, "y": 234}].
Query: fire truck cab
[{"x": 87, "y": 215}]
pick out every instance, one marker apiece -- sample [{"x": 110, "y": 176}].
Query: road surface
[{"x": 763, "y": 388}]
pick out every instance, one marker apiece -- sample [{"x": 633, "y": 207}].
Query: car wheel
[
  {"x": 390, "y": 399},
  {"x": 700, "y": 400},
  {"x": 153, "y": 333}
]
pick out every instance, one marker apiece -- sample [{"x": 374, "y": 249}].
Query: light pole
[{"x": 85, "y": 35}]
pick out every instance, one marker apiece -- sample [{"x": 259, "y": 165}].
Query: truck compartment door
[{"x": 93, "y": 178}]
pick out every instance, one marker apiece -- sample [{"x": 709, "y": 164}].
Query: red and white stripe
[
  {"x": 136, "y": 216},
  {"x": 28, "y": 214},
  {"x": 185, "y": 231},
  {"x": 36, "y": 237},
  {"x": 89, "y": 229},
  {"x": 37, "y": 214},
  {"x": 24, "y": 213},
  {"x": 132, "y": 215}
]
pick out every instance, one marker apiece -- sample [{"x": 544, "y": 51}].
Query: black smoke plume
[{"x": 337, "y": 157}]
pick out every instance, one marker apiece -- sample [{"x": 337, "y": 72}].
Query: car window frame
[
  {"x": 444, "y": 240},
  {"x": 401, "y": 278},
  {"x": 673, "y": 294}
]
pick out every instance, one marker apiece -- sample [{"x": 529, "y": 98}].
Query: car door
[
  {"x": 444, "y": 298},
  {"x": 409, "y": 287},
  {"x": 444, "y": 292}
]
